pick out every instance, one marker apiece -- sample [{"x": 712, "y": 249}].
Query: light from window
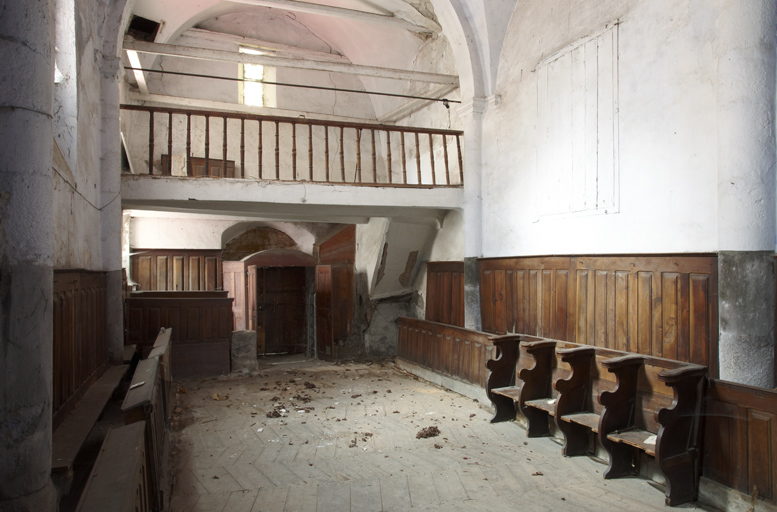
[{"x": 253, "y": 92}]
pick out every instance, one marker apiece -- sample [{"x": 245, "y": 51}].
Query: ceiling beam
[
  {"x": 163, "y": 100},
  {"x": 283, "y": 62},
  {"x": 275, "y": 49},
  {"x": 140, "y": 77},
  {"x": 339, "y": 12}
]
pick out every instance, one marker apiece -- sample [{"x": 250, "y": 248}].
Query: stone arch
[{"x": 256, "y": 240}]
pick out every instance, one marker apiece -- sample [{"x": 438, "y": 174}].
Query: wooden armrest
[
  {"x": 505, "y": 338},
  {"x": 684, "y": 372},
  {"x": 537, "y": 345},
  {"x": 573, "y": 352},
  {"x": 616, "y": 363}
]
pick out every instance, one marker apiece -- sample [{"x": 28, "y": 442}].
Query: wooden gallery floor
[{"x": 346, "y": 438}]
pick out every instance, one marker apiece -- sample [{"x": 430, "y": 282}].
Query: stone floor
[{"x": 312, "y": 436}]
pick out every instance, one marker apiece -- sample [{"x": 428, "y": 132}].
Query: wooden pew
[
  {"x": 630, "y": 403},
  {"x": 161, "y": 350},
  {"x": 145, "y": 403},
  {"x": 119, "y": 480},
  {"x": 660, "y": 414},
  {"x": 69, "y": 437}
]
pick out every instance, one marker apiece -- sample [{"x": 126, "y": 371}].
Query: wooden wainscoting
[
  {"x": 740, "y": 438},
  {"x": 445, "y": 292},
  {"x": 176, "y": 270},
  {"x": 80, "y": 337},
  {"x": 451, "y": 351},
  {"x": 659, "y": 305}
]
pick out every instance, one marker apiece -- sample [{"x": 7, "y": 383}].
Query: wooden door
[
  {"x": 280, "y": 309},
  {"x": 234, "y": 279},
  {"x": 324, "y": 334},
  {"x": 251, "y": 302}
]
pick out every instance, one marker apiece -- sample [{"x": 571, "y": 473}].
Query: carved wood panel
[
  {"x": 445, "y": 292},
  {"x": 176, "y": 270},
  {"x": 664, "y": 306}
]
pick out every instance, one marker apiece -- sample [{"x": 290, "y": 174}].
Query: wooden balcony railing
[{"x": 201, "y": 143}]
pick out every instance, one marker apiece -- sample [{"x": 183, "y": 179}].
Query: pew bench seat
[{"x": 68, "y": 439}]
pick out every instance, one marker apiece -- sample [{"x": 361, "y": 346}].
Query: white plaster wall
[
  {"x": 157, "y": 230},
  {"x": 667, "y": 131},
  {"x": 77, "y": 198}
]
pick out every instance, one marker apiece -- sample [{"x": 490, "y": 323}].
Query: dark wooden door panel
[
  {"x": 281, "y": 308},
  {"x": 324, "y": 335}
]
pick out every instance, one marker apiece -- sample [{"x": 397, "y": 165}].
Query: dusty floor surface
[{"x": 312, "y": 436}]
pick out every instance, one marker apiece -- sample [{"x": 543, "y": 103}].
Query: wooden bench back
[{"x": 652, "y": 394}]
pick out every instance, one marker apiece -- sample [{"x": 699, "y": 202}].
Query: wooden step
[{"x": 68, "y": 439}]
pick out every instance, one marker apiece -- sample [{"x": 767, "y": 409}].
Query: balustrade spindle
[
  {"x": 388, "y": 155},
  {"x": 461, "y": 167},
  {"x": 342, "y": 157},
  {"x": 259, "y": 155},
  {"x": 358, "y": 154},
  {"x": 277, "y": 152},
  {"x": 326, "y": 151},
  {"x": 242, "y": 149},
  {"x": 418, "y": 157},
  {"x": 207, "y": 145},
  {"x": 151, "y": 142},
  {"x": 310, "y": 151},
  {"x": 374, "y": 161},
  {"x": 404, "y": 160},
  {"x": 189, "y": 171},
  {"x": 431, "y": 159},
  {"x": 445, "y": 153},
  {"x": 169, "y": 170},
  {"x": 224, "y": 152},
  {"x": 294, "y": 150}
]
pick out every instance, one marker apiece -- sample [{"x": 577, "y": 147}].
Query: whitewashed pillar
[
  {"x": 471, "y": 112},
  {"x": 746, "y": 189},
  {"x": 26, "y": 248}
]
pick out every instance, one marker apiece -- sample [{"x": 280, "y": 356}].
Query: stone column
[
  {"x": 746, "y": 190},
  {"x": 111, "y": 220},
  {"x": 471, "y": 113},
  {"x": 26, "y": 248}
]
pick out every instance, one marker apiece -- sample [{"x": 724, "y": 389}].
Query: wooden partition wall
[
  {"x": 445, "y": 349},
  {"x": 662, "y": 305},
  {"x": 202, "y": 328},
  {"x": 80, "y": 347},
  {"x": 445, "y": 292},
  {"x": 176, "y": 269}
]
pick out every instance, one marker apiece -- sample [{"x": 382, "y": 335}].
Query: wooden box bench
[
  {"x": 630, "y": 403},
  {"x": 149, "y": 400},
  {"x": 119, "y": 480},
  {"x": 68, "y": 439}
]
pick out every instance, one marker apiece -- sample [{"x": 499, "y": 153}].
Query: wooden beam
[
  {"x": 416, "y": 104},
  {"x": 339, "y": 12},
  {"x": 161, "y": 100},
  {"x": 140, "y": 77},
  {"x": 274, "y": 49},
  {"x": 268, "y": 60}
]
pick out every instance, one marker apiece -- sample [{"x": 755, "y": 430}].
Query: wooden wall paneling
[
  {"x": 457, "y": 297},
  {"x": 761, "y": 437},
  {"x": 658, "y": 305},
  {"x": 212, "y": 274},
  {"x": 161, "y": 273},
  {"x": 79, "y": 347},
  {"x": 194, "y": 273},
  {"x": 487, "y": 303},
  {"x": 179, "y": 274},
  {"x": 500, "y": 321},
  {"x": 700, "y": 298},
  {"x": 447, "y": 286}
]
